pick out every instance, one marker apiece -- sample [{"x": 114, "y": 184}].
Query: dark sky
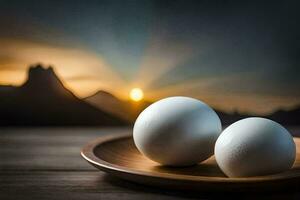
[{"x": 240, "y": 47}]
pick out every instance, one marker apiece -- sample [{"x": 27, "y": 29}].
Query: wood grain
[
  {"x": 119, "y": 156},
  {"x": 45, "y": 163},
  {"x": 47, "y": 149}
]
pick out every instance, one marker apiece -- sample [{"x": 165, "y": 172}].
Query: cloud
[{"x": 243, "y": 92}]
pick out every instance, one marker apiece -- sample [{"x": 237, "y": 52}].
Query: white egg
[
  {"x": 255, "y": 146},
  {"x": 177, "y": 131}
]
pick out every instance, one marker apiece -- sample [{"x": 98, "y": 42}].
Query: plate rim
[{"x": 87, "y": 152}]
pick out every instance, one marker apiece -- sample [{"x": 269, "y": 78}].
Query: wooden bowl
[{"x": 117, "y": 155}]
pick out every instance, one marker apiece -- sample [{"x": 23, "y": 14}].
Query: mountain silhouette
[
  {"x": 290, "y": 117},
  {"x": 127, "y": 110},
  {"x": 130, "y": 110},
  {"x": 44, "y": 101},
  {"x": 108, "y": 102}
]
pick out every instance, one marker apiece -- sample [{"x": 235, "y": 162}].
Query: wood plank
[
  {"x": 50, "y": 148},
  {"x": 43, "y": 149},
  {"x": 44, "y": 163},
  {"x": 98, "y": 185}
]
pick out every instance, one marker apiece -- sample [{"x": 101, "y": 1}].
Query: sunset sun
[{"x": 136, "y": 94}]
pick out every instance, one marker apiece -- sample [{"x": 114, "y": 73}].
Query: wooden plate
[{"x": 118, "y": 156}]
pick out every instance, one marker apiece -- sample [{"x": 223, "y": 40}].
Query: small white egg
[
  {"x": 255, "y": 146},
  {"x": 177, "y": 131}
]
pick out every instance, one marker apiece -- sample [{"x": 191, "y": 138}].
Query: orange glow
[
  {"x": 136, "y": 94},
  {"x": 84, "y": 73}
]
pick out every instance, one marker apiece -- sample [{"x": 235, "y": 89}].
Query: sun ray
[{"x": 160, "y": 57}]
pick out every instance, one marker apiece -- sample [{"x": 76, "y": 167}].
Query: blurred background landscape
[{"x": 100, "y": 63}]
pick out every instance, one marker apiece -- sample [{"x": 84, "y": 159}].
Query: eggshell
[
  {"x": 255, "y": 146},
  {"x": 177, "y": 131}
]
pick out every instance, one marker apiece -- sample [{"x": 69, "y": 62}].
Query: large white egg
[
  {"x": 177, "y": 131},
  {"x": 255, "y": 146}
]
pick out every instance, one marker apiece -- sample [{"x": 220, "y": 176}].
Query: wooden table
[{"x": 45, "y": 163}]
